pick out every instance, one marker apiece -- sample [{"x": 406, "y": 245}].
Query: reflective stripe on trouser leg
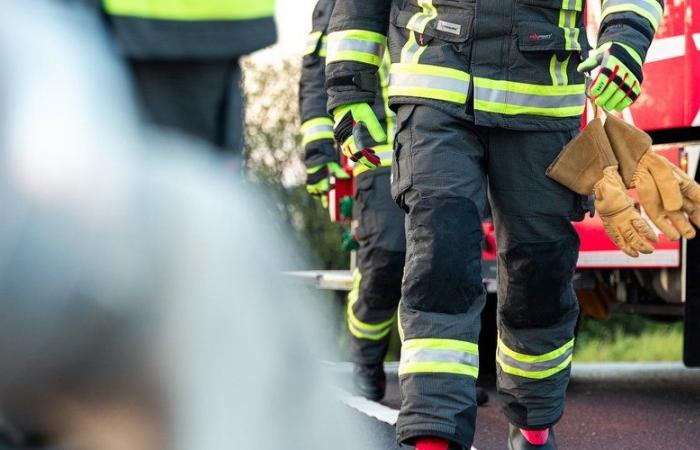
[
  {"x": 442, "y": 294},
  {"x": 380, "y": 258},
  {"x": 538, "y": 249}
]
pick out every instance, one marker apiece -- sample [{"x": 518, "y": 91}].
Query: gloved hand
[
  {"x": 619, "y": 81},
  {"x": 352, "y": 122},
  {"x": 587, "y": 165},
  {"x": 621, "y": 220},
  {"x": 665, "y": 192},
  {"x": 318, "y": 179}
]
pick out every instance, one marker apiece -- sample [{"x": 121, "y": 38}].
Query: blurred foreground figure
[
  {"x": 184, "y": 58},
  {"x": 141, "y": 306}
]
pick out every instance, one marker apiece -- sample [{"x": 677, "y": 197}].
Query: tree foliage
[{"x": 274, "y": 159}]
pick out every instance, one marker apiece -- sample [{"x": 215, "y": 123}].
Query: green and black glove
[
  {"x": 619, "y": 82},
  {"x": 355, "y": 126},
  {"x": 318, "y": 181}
]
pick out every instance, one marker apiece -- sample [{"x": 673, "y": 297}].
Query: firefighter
[
  {"x": 184, "y": 58},
  {"x": 380, "y": 231},
  {"x": 487, "y": 94},
  {"x": 377, "y": 280}
]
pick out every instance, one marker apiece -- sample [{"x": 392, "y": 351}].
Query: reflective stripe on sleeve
[
  {"x": 512, "y": 98},
  {"x": 649, "y": 9},
  {"x": 427, "y": 81},
  {"x": 323, "y": 51},
  {"x": 312, "y": 42},
  {"x": 356, "y": 45},
  {"x": 536, "y": 367},
  {"x": 316, "y": 129},
  {"x": 359, "y": 329},
  {"x": 439, "y": 356},
  {"x": 191, "y": 10}
]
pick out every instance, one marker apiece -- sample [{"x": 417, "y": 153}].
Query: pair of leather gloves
[{"x": 609, "y": 157}]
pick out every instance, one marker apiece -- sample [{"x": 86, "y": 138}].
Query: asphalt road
[{"x": 609, "y": 407}]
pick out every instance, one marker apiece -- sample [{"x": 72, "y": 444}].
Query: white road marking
[{"x": 371, "y": 409}]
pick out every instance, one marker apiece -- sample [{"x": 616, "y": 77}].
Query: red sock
[
  {"x": 432, "y": 443},
  {"x": 536, "y": 437}
]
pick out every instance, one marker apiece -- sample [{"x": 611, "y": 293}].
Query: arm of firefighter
[
  {"x": 316, "y": 123},
  {"x": 631, "y": 23},
  {"x": 356, "y": 42}
]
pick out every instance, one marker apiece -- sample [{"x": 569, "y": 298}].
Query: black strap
[
  {"x": 625, "y": 58},
  {"x": 619, "y": 82}
]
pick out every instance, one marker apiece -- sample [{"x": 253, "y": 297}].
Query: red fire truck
[{"x": 665, "y": 284}]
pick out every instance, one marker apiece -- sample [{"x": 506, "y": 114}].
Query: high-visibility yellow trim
[
  {"x": 441, "y": 344},
  {"x": 359, "y": 329},
  {"x": 535, "y": 358},
  {"x": 537, "y": 375},
  {"x": 434, "y": 91},
  {"x": 312, "y": 42},
  {"x": 438, "y": 367},
  {"x": 527, "y": 88},
  {"x": 413, "y": 363},
  {"x": 323, "y": 51},
  {"x": 500, "y": 108},
  {"x": 191, "y": 9},
  {"x": 355, "y": 38},
  {"x": 653, "y": 11},
  {"x": 632, "y": 52},
  {"x": 317, "y": 129},
  {"x": 400, "y": 327}
]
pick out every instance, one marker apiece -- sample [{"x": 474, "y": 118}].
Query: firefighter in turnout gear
[
  {"x": 487, "y": 94},
  {"x": 184, "y": 58},
  {"x": 377, "y": 279}
]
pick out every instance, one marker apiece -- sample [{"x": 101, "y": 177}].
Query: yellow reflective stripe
[
  {"x": 433, "y": 355},
  {"x": 535, "y": 358},
  {"x": 356, "y": 45},
  {"x": 537, "y": 375},
  {"x": 317, "y": 129},
  {"x": 312, "y": 42},
  {"x": 534, "y": 366},
  {"x": 632, "y": 52},
  {"x": 649, "y": 9},
  {"x": 567, "y": 22},
  {"x": 576, "y": 5},
  {"x": 358, "y": 328},
  {"x": 400, "y": 326},
  {"x": 441, "y": 344},
  {"x": 557, "y": 70},
  {"x": 412, "y": 51},
  {"x": 438, "y": 367},
  {"x": 500, "y": 108},
  {"x": 512, "y": 98},
  {"x": 191, "y": 10},
  {"x": 428, "y": 81},
  {"x": 323, "y": 51}
]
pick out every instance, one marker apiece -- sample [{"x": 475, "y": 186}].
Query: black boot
[
  {"x": 518, "y": 441},
  {"x": 369, "y": 381}
]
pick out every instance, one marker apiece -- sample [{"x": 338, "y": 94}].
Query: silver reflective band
[
  {"x": 369, "y": 333},
  {"x": 435, "y": 355},
  {"x": 532, "y": 100},
  {"x": 385, "y": 156},
  {"x": 540, "y": 366},
  {"x": 570, "y": 4},
  {"x": 358, "y": 45},
  {"x": 429, "y": 81},
  {"x": 318, "y": 129},
  {"x": 651, "y": 7}
]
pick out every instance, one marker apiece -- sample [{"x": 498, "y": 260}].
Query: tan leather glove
[
  {"x": 587, "y": 165},
  {"x": 665, "y": 192}
]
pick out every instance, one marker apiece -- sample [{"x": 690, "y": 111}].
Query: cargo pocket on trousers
[{"x": 402, "y": 162}]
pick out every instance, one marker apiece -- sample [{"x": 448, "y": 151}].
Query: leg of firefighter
[
  {"x": 538, "y": 249},
  {"x": 438, "y": 177},
  {"x": 377, "y": 288}
]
